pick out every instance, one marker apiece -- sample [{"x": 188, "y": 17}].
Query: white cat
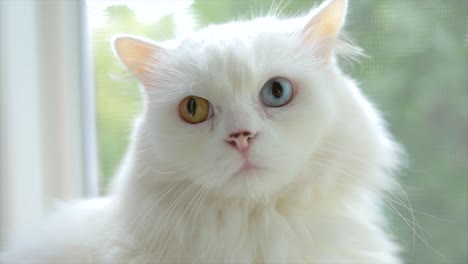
[{"x": 253, "y": 147}]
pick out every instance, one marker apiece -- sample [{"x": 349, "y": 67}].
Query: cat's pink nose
[{"x": 241, "y": 140}]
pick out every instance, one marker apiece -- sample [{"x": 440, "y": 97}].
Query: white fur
[{"x": 327, "y": 159}]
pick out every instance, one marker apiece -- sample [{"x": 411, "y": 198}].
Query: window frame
[{"x": 47, "y": 119}]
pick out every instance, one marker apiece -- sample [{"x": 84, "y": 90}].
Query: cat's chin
[
  {"x": 252, "y": 181},
  {"x": 248, "y": 169}
]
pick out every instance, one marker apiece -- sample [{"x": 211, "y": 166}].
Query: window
[
  {"x": 47, "y": 110},
  {"x": 67, "y": 105}
]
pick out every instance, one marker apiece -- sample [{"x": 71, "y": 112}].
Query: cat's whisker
[
  {"x": 152, "y": 236},
  {"x": 166, "y": 217},
  {"x": 168, "y": 171},
  {"x": 350, "y": 174},
  {"x": 409, "y": 205},
  {"x": 143, "y": 150},
  {"x": 195, "y": 200},
  {"x": 176, "y": 166},
  {"x": 158, "y": 197},
  {"x": 191, "y": 189},
  {"x": 416, "y": 211},
  {"x": 350, "y": 156},
  {"x": 174, "y": 135},
  {"x": 339, "y": 153},
  {"x": 338, "y": 163},
  {"x": 409, "y": 209},
  {"x": 200, "y": 204},
  {"x": 202, "y": 191},
  {"x": 415, "y": 233},
  {"x": 413, "y": 220},
  {"x": 407, "y": 221}
]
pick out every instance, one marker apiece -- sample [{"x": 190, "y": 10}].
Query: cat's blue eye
[{"x": 276, "y": 92}]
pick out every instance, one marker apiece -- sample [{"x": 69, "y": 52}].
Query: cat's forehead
[
  {"x": 247, "y": 32},
  {"x": 233, "y": 61},
  {"x": 240, "y": 53}
]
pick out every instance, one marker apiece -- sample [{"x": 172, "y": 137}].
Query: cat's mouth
[{"x": 247, "y": 168}]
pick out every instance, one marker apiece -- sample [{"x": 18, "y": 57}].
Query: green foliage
[{"x": 416, "y": 73}]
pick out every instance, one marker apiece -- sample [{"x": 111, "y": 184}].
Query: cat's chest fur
[{"x": 299, "y": 227}]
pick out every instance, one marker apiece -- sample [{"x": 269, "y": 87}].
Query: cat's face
[{"x": 240, "y": 108}]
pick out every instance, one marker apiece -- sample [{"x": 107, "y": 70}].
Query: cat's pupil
[
  {"x": 192, "y": 106},
  {"x": 277, "y": 90}
]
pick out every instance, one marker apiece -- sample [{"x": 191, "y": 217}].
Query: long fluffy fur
[{"x": 328, "y": 156}]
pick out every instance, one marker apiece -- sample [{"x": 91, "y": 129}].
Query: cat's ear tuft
[
  {"x": 139, "y": 55},
  {"x": 325, "y": 23}
]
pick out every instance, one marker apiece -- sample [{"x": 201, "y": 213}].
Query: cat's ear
[
  {"x": 325, "y": 23},
  {"x": 139, "y": 55}
]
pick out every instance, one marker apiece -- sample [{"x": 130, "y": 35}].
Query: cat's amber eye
[{"x": 194, "y": 109}]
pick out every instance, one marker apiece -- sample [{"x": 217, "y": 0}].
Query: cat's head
[{"x": 239, "y": 108}]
